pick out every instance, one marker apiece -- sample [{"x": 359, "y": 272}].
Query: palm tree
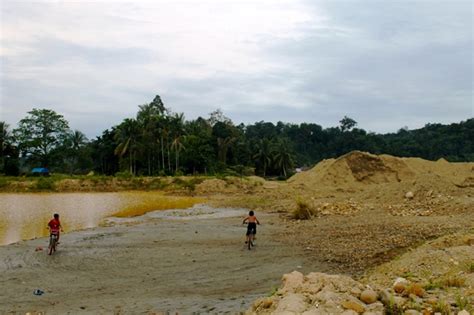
[
  {"x": 177, "y": 131},
  {"x": 177, "y": 145},
  {"x": 74, "y": 141},
  {"x": 263, "y": 154},
  {"x": 148, "y": 118},
  {"x": 126, "y": 136},
  {"x": 283, "y": 158},
  {"x": 77, "y": 139}
]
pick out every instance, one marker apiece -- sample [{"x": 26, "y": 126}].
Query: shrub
[
  {"x": 470, "y": 267},
  {"x": 465, "y": 303},
  {"x": 96, "y": 179},
  {"x": 442, "y": 307},
  {"x": 273, "y": 291},
  {"x": 303, "y": 211},
  {"x": 3, "y": 181},
  {"x": 124, "y": 175},
  {"x": 136, "y": 183},
  {"x": 454, "y": 281},
  {"x": 241, "y": 170},
  {"x": 45, "y": 183},
  {"x": 156, "y": 183},
  {"x": 431, "y": 286},
  {"x": 392, "y": 308},
  {"x": 187, "y": 184}
]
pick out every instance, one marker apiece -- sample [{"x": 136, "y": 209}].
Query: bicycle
[
  {"x": 250, "y": 235},
  {"x": 250, "y": 241},
  {"x": 54, "y": 227},
  {"x": 53, "y": 242}
]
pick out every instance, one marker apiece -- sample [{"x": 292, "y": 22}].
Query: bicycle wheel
[{"x": 52, "y": 244}]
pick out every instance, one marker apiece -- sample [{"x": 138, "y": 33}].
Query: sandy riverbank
[{"x": 185, "y": 261}]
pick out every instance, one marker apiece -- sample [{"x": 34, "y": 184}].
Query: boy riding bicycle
[
  {"x": 54, "y": 226},
  {"x": 252, "y": 227}
]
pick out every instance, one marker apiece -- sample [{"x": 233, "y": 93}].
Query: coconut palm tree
[
  {"x": 283, "y": 158},
  {"x": 263, "y": 156},
  {"x": 177, "y": 145},
  {"x": 126, "y": 136},
  {"x": 148, "y": 117},
  {"x": 74, "y": 142}
]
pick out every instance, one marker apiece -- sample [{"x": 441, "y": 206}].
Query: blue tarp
[{"x": 40, "y": 170}]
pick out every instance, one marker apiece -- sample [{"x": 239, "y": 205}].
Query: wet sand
[{"x": 192, "y": 261}]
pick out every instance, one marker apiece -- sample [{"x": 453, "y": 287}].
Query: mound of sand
[
  {"x": 360, "y": 169},
  {"x": 356, "y": 167}
]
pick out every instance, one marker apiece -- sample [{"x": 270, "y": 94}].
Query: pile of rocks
[{"x": 319, "y": 293}]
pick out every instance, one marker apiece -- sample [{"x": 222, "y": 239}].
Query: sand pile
[{"x": 358, "y": 170}]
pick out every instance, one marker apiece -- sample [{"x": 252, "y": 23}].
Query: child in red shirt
[{"x": 55, "y": 226}]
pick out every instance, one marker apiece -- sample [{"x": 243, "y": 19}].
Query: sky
[{"x": 386, "y": 64}]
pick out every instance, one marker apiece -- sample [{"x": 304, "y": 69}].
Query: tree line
[{"x": 160, "y": 142}]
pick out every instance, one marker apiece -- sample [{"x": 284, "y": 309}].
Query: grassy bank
[
  {"x": 178, "y": 184},
  {"x": 65, "y": 183}
]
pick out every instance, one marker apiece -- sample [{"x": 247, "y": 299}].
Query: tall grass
[{"x": 304, "y": 211}]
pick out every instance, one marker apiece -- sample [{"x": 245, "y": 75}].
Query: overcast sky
[{"x": 386, "y": 64}]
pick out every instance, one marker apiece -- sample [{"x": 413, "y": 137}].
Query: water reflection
[{"x": 25, "y": 216}]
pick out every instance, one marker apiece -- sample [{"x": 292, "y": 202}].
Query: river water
[{"x": 25, "y": 216}]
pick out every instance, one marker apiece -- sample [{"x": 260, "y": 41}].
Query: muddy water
[{"x": 25, "y": 216}]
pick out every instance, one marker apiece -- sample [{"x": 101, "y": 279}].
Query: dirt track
[{"x": 196, "y": 262}]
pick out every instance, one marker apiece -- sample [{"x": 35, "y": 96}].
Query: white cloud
[{"x": 288, "y": 59}]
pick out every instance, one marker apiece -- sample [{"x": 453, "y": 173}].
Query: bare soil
[{"x": 189, "y": 261}]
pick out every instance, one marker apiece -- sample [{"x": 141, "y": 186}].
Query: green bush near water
[
  {"x": 4, "y": 181},
  {"x": 124, "y": 175},
  {"x": 188, "y": 184},
  {"x": 45, "y": 183},
  {"x": 156, "y": 183}
]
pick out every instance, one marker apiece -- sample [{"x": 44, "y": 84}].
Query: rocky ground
[
  {"x": 437, "y": 278},
  {"x": 361, "y": 211}
]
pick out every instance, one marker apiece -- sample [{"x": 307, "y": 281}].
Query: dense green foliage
[{"x": 160, "y": 142}]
